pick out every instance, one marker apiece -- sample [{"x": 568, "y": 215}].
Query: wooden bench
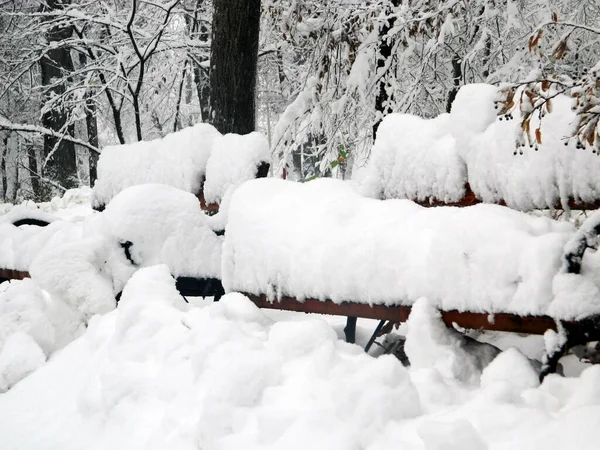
[{"x": 576, "y": 332}]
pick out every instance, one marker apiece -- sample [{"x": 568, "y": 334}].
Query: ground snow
[{"x": 157, "y": 373}]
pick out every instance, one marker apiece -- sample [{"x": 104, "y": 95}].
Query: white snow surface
[
  {"x": 157, "y": 373},
  {"x": 422, "y": 159},
  {"x": 165, "y": 225},
  {"x": 179, "y": 160},
  {"x": 82, "y": 263},
  {"x": 416, "y": 159},
  {"x": 183, "y": 160},
  {"x": 324, "y": 240},
  {"x": 233, "y": 160}
]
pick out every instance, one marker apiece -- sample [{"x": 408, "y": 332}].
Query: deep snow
[{"x": 157, "y": 373}]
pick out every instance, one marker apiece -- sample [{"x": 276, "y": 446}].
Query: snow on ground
[
  {"x": 157, "y": 373},
  {"x": 323, "y": 240}
]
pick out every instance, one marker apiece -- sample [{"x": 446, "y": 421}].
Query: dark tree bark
[
  {"x": 3, "y": 153},
  {"x": 385, "y": 52},
  {"x": 54, "y": 65},
  {"x": 456, "y": 78},
  {"x": 32, "y": 163},
  {"x": 91, "y": 122},
  {"x": 198, "y": 29},
  {"x": 234, "y": 57}
]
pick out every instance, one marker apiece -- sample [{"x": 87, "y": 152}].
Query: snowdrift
[{"x": 157, "y": 373}]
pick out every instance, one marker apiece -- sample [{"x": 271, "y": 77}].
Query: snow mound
[
  {"x": 430, "y": 344},
  {"x": 415, "y": 159},
  {"x": 323, "y": 240},
  {"x": 513, "y": 368},
  {"x": 81, "y": 274},
  {"x": 457, "y": 435},
  {"x": 222, "y": 376},
  {"x": 19, "y": 356},
  {"x": 179, "y": 160},
  {"x": 164, "y": 225},
  {"x": 234, "y": 159},
  {"x": 418, "y": 159},
  {"x": 24, "y": 309},
  {"x": 32, "y": 327}
]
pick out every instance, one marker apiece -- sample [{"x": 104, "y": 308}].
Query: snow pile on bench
[
  {"x": 416, "y": 159},
  {"x": 323, "y": 240},
  {"x": 84, "y": 263},
  {"x": 20, "y": 245},
  {"x": 234, "y": 159},
  {"x": 424, "y": 159},
  {"x": 538, "y": 178},
  {"x": 165, "y": 226},
  {"x": 183, "y": 160},
  {"x": 179, "y": 160}
]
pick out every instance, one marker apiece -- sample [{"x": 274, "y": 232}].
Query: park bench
[
  {"x": 457, "y": 161},
  {"x": 267, "y": 293}
]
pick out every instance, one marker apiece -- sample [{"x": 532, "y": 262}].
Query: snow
[
  {"x": 323, "y": 240},
  {"x": 157, "y": 373},
  {"x": 179, "y": 160},
  {"x": 419, "y": 159},
  {"x": 165, "y": 225},
  {"x": 183, "y": 160},
  {"x": 235, "y": 159},
  {"x": 416, "y": 159}
]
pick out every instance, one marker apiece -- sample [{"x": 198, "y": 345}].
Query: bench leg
[
  {"x": 350, "y": 330},
  {"x": 375, "y": 334},
  {"x": 552, "y": 356}
]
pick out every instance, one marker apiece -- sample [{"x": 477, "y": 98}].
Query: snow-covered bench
[
  {"x": 473, "y": 155},
  {"x": 198, "y": 159},
  {"x": 321, "y": 247}
]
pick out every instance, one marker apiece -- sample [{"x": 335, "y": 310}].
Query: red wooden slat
[
  {"x": 211, "y": 207},
  {"x": 471, "y": 199},
  {"x": 399, "y": 313},
  {"x": 9, "y": 274}
]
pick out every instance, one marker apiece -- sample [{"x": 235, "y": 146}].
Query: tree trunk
[
  {"x": 55, "y": 65},
  {"x": 3, "y": 155},
  {"x": 198, "y": 29},
  {"x": 456, "y": 77},
  {"x": 385, "y": 52},
  {"x": 233, "y": 61},
  {"x": 91, "y": 122}
]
